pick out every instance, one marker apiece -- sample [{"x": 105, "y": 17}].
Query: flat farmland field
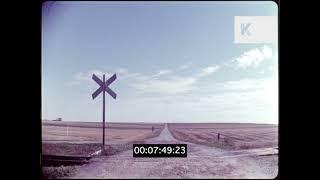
[
  {"x": 83, "y": 138},
  {"x": 92, "y": 132},
  {"x": 232, "y": 135}
]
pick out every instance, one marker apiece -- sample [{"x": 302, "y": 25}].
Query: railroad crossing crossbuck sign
[{"x": 104, "y": 88}]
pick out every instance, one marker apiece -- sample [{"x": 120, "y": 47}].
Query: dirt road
[{"x": 202, "y": 162}]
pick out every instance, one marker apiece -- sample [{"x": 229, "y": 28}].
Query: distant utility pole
[{"x": 104, "y": 88}]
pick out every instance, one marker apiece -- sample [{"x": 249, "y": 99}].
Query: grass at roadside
[
  {"x": 57, "y": 172},
  {"x": 69, "y": 149}
]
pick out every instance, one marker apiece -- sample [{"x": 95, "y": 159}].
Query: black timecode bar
[{"x": 160, "y": 150}]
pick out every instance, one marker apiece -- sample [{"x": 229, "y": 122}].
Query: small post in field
[{"x": 67, "y": 131}]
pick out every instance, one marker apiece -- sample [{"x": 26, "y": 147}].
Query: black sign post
[{"x": 104, "y": 87}]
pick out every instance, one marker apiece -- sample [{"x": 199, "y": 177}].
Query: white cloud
[
  {"x": 243, "y": 84},
  {"x": 87, "y": 76},
  {"x": 172, "y": 84},
  {"x": 267, "y": 51},
  {"x": 121, "y": 71},
  {"x": 244, "y": 100},
  {"x": 185, "y": 66},
  {"x": 149, "y": 84},
  {"x": 163, "y": 72},
  {"x": 168, "y": 86},
  {"x": 254, "y": 57},
  {"x": 208, "y": 70},
  {"x": 271, "y": 68}
]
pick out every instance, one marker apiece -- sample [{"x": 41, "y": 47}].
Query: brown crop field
[
  {"x": 232, "y": 135},
  {"x": 83, "y": 138}
]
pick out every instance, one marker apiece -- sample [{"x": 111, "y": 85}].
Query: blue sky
[{"x": 175, "y": 62}]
